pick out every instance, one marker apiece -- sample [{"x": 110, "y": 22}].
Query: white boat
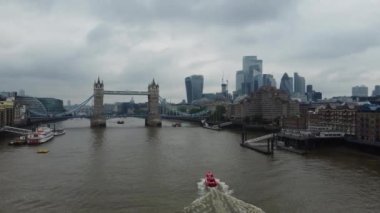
[
  {"x": 41, "y": 135},
  {"x": 59, "y": 132},
  {"x": 207, "y": 126}
]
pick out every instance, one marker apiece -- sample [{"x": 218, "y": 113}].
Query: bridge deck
[{"x": 126, "y": 93}]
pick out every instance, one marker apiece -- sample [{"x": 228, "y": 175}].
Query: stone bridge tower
[
  {"x": 153, "y": 118},
  {"x": 98, "y": 119}
]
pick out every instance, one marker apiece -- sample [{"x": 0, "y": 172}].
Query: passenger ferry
[{"x": 41, "y": 135}]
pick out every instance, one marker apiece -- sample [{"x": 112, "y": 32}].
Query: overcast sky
[{"x": 58, "y": 48}]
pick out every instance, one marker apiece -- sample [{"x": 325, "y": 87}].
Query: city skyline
[{"x": 57, "y": 49}]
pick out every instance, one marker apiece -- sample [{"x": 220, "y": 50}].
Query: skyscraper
[
  {"x": 251, "y": 68},
  {"x": 309, "y": 92},
  {"x": 376, "y": 91},
  {"x": 268, "y": 80},
  {"x": 309, "y": 88},
  {"x": 21, "y": 92},
  {"x": 360, "y": 91},
  {"x": 239, "y": 81},
  {"x": 286, "y": 84},
  {"x": 194, "y": 87},
  {"x": 299, "y": 84}
]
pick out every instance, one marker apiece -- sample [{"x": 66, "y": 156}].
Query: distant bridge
[{"x": 157, "y": 107}]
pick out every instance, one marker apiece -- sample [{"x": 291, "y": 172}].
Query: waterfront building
[
  {"x": 368, "y": 124},
  {"x": 20, "y": 116},
  {"x": 37, "y": 107},
  {"x": 337, "y": 117},
  {"x": 194, "y": 87},
  {"x": 286, "y": 84},
  {"x": 251, "y": 68},
  {"x": 235, "y": 111},
  {"x": 376, "y": 91},
  {"x": 299, "y": 84},
  {"x": 239, "y": 82},
  {"x": 268, "y": 104},
  {"x": 52, "y": 105},
  {"x": 360, "y": 91},
  {"x": 6, "y": 113}
]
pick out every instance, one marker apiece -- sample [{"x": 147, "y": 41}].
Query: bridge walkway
[{"x": 16, "y": 130}]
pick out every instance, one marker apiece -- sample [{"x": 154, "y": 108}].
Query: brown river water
[{"x": 131, "y": 168}]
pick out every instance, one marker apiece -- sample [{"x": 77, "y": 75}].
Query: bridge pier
[
  {"x": 98, "y": 119},
  {"x": 153, "y": 119}
]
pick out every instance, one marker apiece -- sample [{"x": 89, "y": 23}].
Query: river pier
[{"x": 263, "y": 144}]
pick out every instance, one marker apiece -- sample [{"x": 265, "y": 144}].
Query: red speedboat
[{"x": 210, "y": 180}]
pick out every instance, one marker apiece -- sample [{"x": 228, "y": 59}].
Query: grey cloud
[
  {"x": 99, "y": 34},
  {"x": 127, "y": 43},
  {"x": 338, "y": 44},
  {"x": 222, "y": 12}
]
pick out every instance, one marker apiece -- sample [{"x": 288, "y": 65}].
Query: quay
[
  {"x": 296, "y": 141},
  {"x": 303, "y": 141}
]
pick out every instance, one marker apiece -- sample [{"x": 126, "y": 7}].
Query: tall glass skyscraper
[
  {"x": 251, "y": 68},
  {"x": 286, "y": 84},
  {"x": 299, "y": 84},
  {"x": 194, "y": 87},
  {"x": 239, "y": 81}
]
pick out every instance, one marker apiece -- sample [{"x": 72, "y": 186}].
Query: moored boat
[
  {"x": 19, "y": 141},
  {"x": 59, "y": 132},
  {"x": 208, "y": 126},
  {"x": 41, "y": 135},
  {"x": 177, "y": 124}
]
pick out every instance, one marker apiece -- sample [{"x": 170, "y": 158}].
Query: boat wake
[
  {"x": 219, "y": 200},
  {"x": 222, "y": 186}
]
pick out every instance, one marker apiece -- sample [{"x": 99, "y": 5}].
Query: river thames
[{"x": 131, "y": 168}]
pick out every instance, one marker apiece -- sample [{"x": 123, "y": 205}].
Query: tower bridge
[
  {"x": 158, "y": 108},
  {"x": 153, "y": 117}
]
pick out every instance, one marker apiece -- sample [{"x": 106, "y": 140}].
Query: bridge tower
[
  {"x": 153, "y": 119},
  {"x": 98, "y": 119}
]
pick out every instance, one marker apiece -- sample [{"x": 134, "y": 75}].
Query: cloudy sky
[{"x": 58, "y": 48}]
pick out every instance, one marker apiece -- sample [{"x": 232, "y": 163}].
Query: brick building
[
  {"x": 338, "y": 117},
  {"x": 265, "y": 105},
  {"x": 368, "y": 124}
]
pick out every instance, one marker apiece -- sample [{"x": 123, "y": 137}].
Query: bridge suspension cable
[
  {"x": 169, "y": 109},
  {"x": 76, "y": 108}
]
